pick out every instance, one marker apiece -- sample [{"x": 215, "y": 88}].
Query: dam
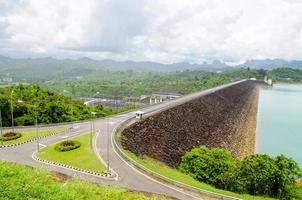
[{"x": 225, "y": 118}]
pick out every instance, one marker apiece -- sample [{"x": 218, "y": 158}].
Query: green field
[
  {"x": 20, "y": 182},
  {"x": 83, "y": 157},
  {"x": 26, "y": 136},
  {"x": 176, "y": 175}
]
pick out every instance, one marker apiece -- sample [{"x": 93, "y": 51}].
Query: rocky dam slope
[{"x": 226, "y": 118}]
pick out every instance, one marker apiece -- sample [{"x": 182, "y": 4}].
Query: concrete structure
[
  {"x": 112, "y": 103},
  {"x": 158, "y": 97}
]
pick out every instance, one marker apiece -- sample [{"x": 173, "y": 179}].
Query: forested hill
[
  {"x": 43, "y": 69},
  {"x": 286, "y": 74},
  {"x": 51, "y": 107},
  {"x": 135, "y": 84}
]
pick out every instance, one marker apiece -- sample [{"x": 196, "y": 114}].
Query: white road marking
[
  {"x": 65, "y": 136},
  {"x": 148, "y": 177},
  {"x": 43, "y": 145}
]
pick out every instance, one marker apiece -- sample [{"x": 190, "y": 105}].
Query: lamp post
[
  {"x": 12, "y": 110},
  {"x": 92, "y": 128},
  {"x": 37, "y": 133},
  {"x": 1, "y": 125},
  {"x": 108, "y": 140}
]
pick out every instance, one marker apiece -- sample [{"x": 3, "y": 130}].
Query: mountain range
[{"x": 48, "y": 68}]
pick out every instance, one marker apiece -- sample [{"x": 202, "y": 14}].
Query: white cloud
[{"x": 157, "y": 30}]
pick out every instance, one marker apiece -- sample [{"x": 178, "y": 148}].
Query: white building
[{"x": 158, "y": 97}]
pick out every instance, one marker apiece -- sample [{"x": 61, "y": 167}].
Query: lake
[{"x": 279, "y": 128}]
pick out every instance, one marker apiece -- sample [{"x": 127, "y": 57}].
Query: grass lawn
[
  {"x": 82, "y": 157},
  {"x": 176, "y": 175},
  {"x": 20, "y": 182},
  {"x": 26, "y": 136}
]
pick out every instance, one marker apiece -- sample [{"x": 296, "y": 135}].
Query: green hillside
[{"x": 20, "y": 182}]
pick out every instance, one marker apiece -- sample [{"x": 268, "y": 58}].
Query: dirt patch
[{"x": 59, "y": 177}]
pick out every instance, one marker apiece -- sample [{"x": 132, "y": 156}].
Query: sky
[{"x": 166, "y": 31}]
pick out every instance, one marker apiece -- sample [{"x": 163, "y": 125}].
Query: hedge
[
  {"x": 10, "y": 136},
  {"x": 67, "y": 145}
]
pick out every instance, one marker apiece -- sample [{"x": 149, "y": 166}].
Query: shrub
[
  {"x": 10, "y": 136},
  {"x": 288, "y": 171},
  {"x": 207, "y": 165},
  {"x": 67, "y": 145},
  {"x": 256, "y": 174}
]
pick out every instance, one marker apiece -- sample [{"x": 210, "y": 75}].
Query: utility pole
[
  {"x": 37, "y": 133},
  {"x": 91, "y": 133},
  {"x": 1, "y": 125},
  {"x": 108, "y": 140},
  {"x": 12, "y": 110},
  {"x": 92, "y": 128}
]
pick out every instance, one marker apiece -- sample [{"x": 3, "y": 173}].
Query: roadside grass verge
[
  {"x": 83, "y": 157},
  {"x": 21, "y": 182},
  {"x": 26, "y": 136},
  {"x": 176, "y": 175}
]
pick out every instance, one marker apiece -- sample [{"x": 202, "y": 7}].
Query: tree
[{"x": 288, "y": 171}]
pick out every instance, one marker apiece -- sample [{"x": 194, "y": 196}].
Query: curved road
[{"x": 128, "y": 176}]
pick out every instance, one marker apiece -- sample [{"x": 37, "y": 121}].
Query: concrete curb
[
  {"x": 104, "y": 175},
  {"x": 32, "y": 140}
]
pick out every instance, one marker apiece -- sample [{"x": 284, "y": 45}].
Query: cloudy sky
[{"x": 156, "y": 30}]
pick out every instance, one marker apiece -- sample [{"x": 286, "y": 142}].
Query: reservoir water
[{"x": 279, "y": 129}]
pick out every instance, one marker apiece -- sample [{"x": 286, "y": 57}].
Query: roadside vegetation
[
  {"x": 26, "y": 136},
  {"x": 29, "y": 101},
  {"x": 83, "y": 156},
  {"x": 21, "y": 182},
  {"x": 258, "y": 174},
  {"x": 190, "y": 178}
]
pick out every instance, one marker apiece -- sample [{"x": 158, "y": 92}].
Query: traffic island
[
  {"x": 26, "y": 137},
  {"x": 76, "y": 154}
]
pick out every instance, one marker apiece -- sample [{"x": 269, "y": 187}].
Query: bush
[
  {"x": 10, "y": 136},
  {"x": 207, "y": 165},
  {"x": 288, "y": 171},
  {"x": 67, "y": 145},
  {"x": 256, "y": 174}
]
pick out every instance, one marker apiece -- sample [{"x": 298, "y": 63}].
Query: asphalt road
[{"x": 127, "y": 175}]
